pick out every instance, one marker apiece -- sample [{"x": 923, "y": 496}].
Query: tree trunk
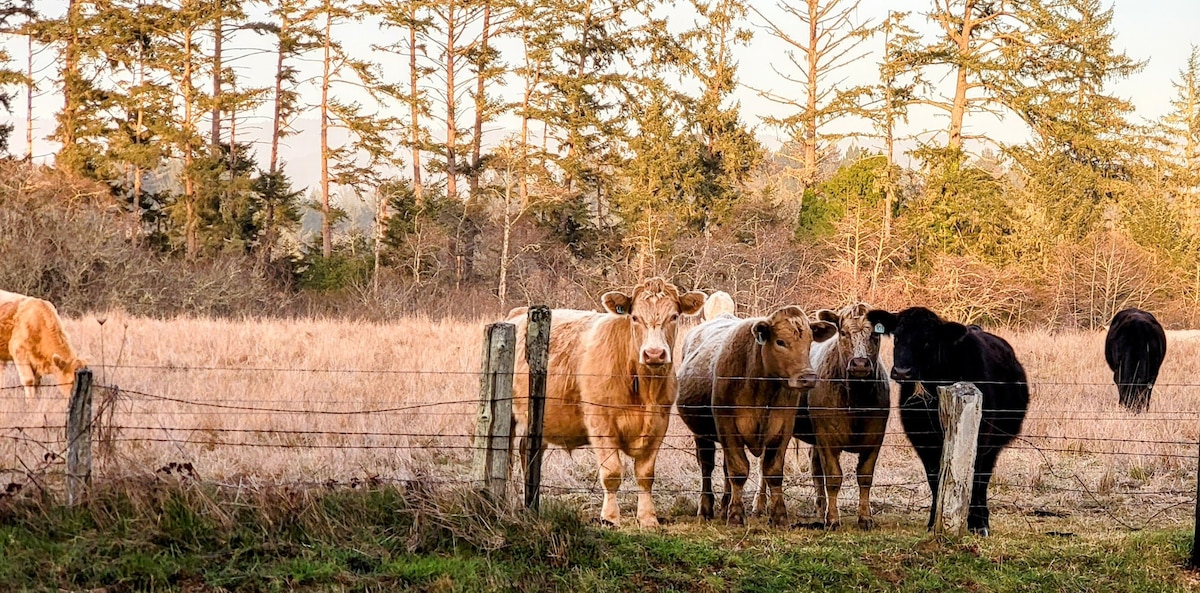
[
  {"x": 218, "y": 40},
  {"x": 29, "y": 102},
  {"x": 958, "y": 109},
  {"x": 451, "y": 103},
  {"x": 191, "y": 243},
  {"x": 480, "y": 101},
  {"x": 414, "y": 104},
  {"x": 71, "y": 97},
  {"x": 326, "y": 223},
  {"x": 810, "y": 120},
  {"x": 277, "y": 111}
]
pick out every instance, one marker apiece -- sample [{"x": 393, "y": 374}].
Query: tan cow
[
  {"x": 740, "y": 382},
  {"x": 611, "y": 383},
  {"x": 31, "y": 336},
  {"x": 717, "y": 304}
]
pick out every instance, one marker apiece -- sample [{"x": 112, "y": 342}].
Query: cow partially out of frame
[{"x": 32, "y": 337}]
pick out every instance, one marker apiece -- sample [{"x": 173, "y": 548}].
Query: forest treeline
[{"x": 547, "y": 150}]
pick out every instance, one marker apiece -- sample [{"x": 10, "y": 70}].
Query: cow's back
[
  {"x": 8, "y": 319},
  {"x": 37, "y": 331},
  {"x": 563, "y": 423},
  {"x": 696, "y": 370},
  {"x": 1002, "y": 381},
  {"x": 1137, "y": 333}
]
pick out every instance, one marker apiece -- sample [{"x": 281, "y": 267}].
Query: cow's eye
[
  {"x": 675, "y": 317},
  {"x": 780, "y": 343}
]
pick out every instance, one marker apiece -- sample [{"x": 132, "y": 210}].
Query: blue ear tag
[{"x": 879, "y": 328}]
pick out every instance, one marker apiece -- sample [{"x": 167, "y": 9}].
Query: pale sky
[{"x": 1159, "y": 31}]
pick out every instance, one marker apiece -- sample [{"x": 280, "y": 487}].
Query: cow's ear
[
  {"x": 952, "y": 332},
  {"x": 882, "y": 322},
  {"x": 762, "y": 332},
  {"x": 830, "y": 316},
  {"x": 617, "y": 302},
  {"x": 823, "y": 330},
  {"x": 690, "y": 303}
]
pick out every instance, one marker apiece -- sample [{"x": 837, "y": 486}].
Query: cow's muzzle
[
  {"x": 860, "y": 367},
  {"x": 803, "y": 381},
  {"x": 902, "y": 373},
  {"x": 655, "y": 357}
]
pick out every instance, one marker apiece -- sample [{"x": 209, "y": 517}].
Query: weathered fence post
[
  {"x": 960, "y": 407},
  {"x": 537, "y": 354},
  {"x": 79, "y": 436},
  {"x": 1194, "y": 561},
  {"x": 494, "y": 429}
]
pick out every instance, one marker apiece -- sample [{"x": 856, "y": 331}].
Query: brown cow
[
  {"x": 611, "y": 383},
  {"x": 739, "y": 384},
  {"x": 846, "y": 411},
  {"x": 31, "y": 336}
]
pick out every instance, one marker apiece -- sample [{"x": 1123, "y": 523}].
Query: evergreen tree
[{"x": 827, "y": 41}]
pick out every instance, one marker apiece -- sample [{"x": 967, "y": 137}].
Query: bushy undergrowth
[{"x": 166, "y": 535}]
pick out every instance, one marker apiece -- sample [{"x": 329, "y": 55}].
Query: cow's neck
[{"x": 652, "y": 387}]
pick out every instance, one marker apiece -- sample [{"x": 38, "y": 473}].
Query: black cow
[
  {"x": 1134, "y": 348},
  {"x": 930, "y": 352}
]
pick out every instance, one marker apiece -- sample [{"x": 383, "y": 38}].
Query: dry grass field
[{"x": 269, "y": 401}]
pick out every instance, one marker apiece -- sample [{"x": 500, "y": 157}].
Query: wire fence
[{"x": 239, "y": 425}]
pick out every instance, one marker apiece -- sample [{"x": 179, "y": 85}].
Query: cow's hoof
[
  {"x": 980, "y": 531},
  {"x": 735, "y": 519},
  {"x": 832, "y": 525},
  {"x": 779, "y": 520},
  {"x": 866, "y": 523},
  {"x": 648, "y": 522}
]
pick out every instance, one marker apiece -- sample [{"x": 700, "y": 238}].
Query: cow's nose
[
  {"x": 859, "y": 366},
  {"x": 655, "y": 355},
  {"x": 803, "y": 381},
  {"x": 901, "y": 373}
]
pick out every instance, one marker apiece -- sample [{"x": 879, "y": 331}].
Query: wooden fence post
[
  {"x": 537, "y": 354},
  {"x": 1194, "y": 561},
  {"x": 494, "y": 429},
  {"x": 960, "y": 407},
  {"x": 79, "y": 436}
]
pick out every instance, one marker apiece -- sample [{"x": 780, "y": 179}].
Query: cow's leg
[
  {"x": 831, "y": 468},
  {"x": 610, "y": 475},
  {"x": 931, "y": 458},
  {"x": 706, "y": 455},
  {"x": 866, "y": 475},
  {"x": 818, "y": 476},
  {"x": 772, "y": 469},
  {"x": 760, "y": 497},
  {"x": 737, "y": 468},
  {"x": 978, "y": 517},
  {"x": 29, "y": 379},
  {"x": 728, "y": 485},
  {"x": 643, "y": 468}
]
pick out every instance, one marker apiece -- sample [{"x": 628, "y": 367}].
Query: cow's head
[
  {"x": 653, "y": 310},
  {"x": 858, "y": 339},
  {"x": 923, "y": 342},
  {"x": 785, "y": 339},
  {"x": 64, "y": 370}
]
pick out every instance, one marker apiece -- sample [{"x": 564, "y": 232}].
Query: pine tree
[
  {"x": 368, "y": 131},
  {"x": 829, "y": 39},
  {"x": 10, "y": 76},
  {"x": 412, "y": 18},
  {"x": 973, "y": 35},
  {"x": 1182, "y": 129},
  {"x": 1082, "y": 158}
]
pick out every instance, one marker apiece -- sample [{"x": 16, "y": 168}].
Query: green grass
[{"x": 171, "y": 537}]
